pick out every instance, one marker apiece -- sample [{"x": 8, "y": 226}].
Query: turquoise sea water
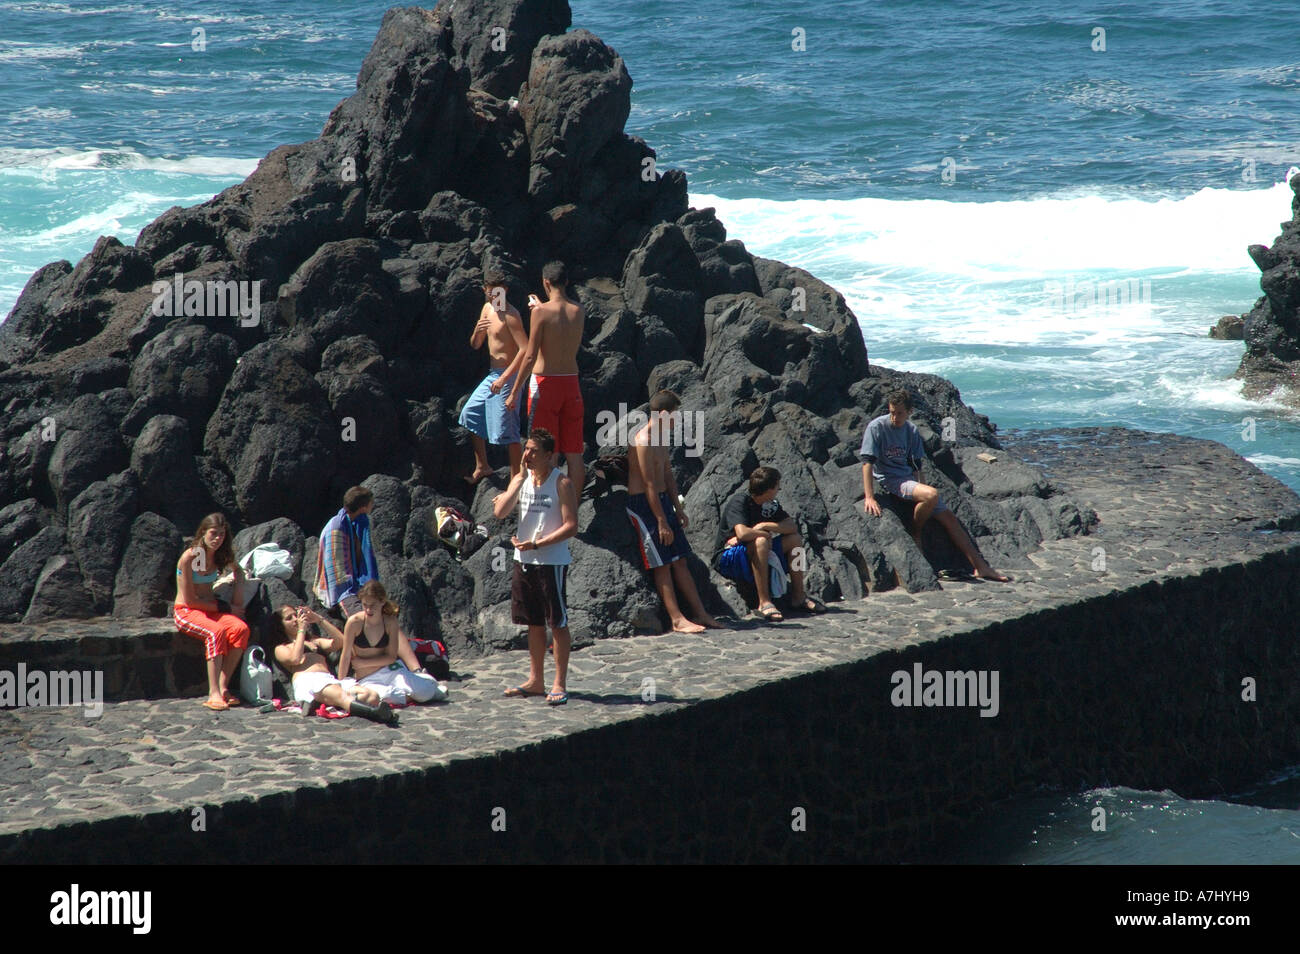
[{"x": 949, "y": 167}]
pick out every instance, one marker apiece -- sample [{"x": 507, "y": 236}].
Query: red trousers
[{"x": 220, "y": 632}]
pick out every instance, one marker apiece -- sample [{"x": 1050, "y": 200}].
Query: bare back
[
  {"x": 647, "y": 465},
  {"x": 558, "y": 326}
]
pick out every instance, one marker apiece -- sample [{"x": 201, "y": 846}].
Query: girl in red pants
[{"x": 199, "y": 614}]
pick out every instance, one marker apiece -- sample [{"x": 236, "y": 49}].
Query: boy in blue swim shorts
[{"x": 485, "y": 414}]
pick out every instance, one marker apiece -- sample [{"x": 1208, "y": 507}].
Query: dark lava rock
[
  {"x": 28, "y": 314},
  {"x": 480, "y": 135},
  {"x": 576, "y": 100},
  {"x": 169, "y": 483},
  {"x": 1272, "y": 327},
  {"x": 274, "y": 432},
  {"x": 182, "y": 371},
  {"x": 89, "y": 448},
  {"x": 146, "y": 579},
  {"x": 19, "y": 574},
  {"x": 19, "y": 522},
  {"x": 99, "y": 526},
  {"x": 60, "y": 592}
]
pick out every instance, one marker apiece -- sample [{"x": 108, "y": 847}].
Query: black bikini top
[{"x": 363, "y": 641}]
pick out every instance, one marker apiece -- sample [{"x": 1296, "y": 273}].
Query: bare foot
[
  {"x": 711, "y": 623},
  {"x": 527, "y": 689},
  {"x": 987, "y": 572},
  {"x": 478, "y": 475},
  {"x": 684, "y": 625}
]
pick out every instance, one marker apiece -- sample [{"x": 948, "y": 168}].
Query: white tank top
[{"x": 540, "y": 516}]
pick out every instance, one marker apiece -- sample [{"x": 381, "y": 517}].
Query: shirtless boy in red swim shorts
[{"x": 555, "y": 401}]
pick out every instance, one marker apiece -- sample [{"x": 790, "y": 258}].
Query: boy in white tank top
[{"x": 548, "y": 517}]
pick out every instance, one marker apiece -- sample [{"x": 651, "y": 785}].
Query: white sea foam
[
  {"x": 66, "y": 158},
  {"x": 13, "y": 51},
  {"x": 1048, "y": 237},
  {"x": 40, "y": 114},
  {"x": 961, "y": 289},
  {"x": 1272, "y": 461},
  {"x": 1216, "y": 394},
  {"x": 72, "y": 10}
]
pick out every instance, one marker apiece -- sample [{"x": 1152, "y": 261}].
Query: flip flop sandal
[
  {"x": 207, "y": 704},
  {"x": 957, "y": 576},
  {"x": 556, "y": 698},
  {"x": 519, "y": 692},
  {"x": 771, "y": 614}
]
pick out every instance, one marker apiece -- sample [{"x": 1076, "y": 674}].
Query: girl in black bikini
[{"x": 377, "y": 652}]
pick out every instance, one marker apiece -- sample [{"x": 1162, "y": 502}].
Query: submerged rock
[{"x": 1229, "y": 328}]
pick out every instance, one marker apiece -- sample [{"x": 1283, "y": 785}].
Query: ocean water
[{"x": 1051, "y": 225}]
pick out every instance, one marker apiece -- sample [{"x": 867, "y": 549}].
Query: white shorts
[
  {"x": 395, "y": 683},
  {"x": 306, "y": 685},
  {"x": 907, "y": 490}
]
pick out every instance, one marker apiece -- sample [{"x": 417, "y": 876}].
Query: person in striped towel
[{"x": 346, "y": 559}]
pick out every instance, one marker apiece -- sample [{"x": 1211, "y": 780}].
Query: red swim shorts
[{"x": 556, "y": 405}]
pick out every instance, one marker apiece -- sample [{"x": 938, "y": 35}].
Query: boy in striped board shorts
[{"x": 658, "y": 518}]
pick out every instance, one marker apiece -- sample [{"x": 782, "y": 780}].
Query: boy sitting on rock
[
  {"x": 892, "y": 451},
  {"x": 761, "y": 528}
]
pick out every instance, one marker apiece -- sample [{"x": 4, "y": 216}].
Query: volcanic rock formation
[
  {"x": 1271, "y": 365},
  {"x": 483, "y": 135}
]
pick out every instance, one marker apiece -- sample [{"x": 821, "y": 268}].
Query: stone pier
[{"x": 1160, "y": 651}]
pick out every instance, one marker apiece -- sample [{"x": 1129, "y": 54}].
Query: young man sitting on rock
[
  {"x": 892, "y": 451},
  {"x": 652, "y": 502},
  {"x": 761, "y": 529}
]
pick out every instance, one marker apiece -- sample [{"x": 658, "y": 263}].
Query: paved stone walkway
[{"x": 1168, "y": 506}]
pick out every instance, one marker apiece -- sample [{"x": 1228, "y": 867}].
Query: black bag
[
  {"x": 603, "y": 474},
  {"x": 458, "y": 531}
]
